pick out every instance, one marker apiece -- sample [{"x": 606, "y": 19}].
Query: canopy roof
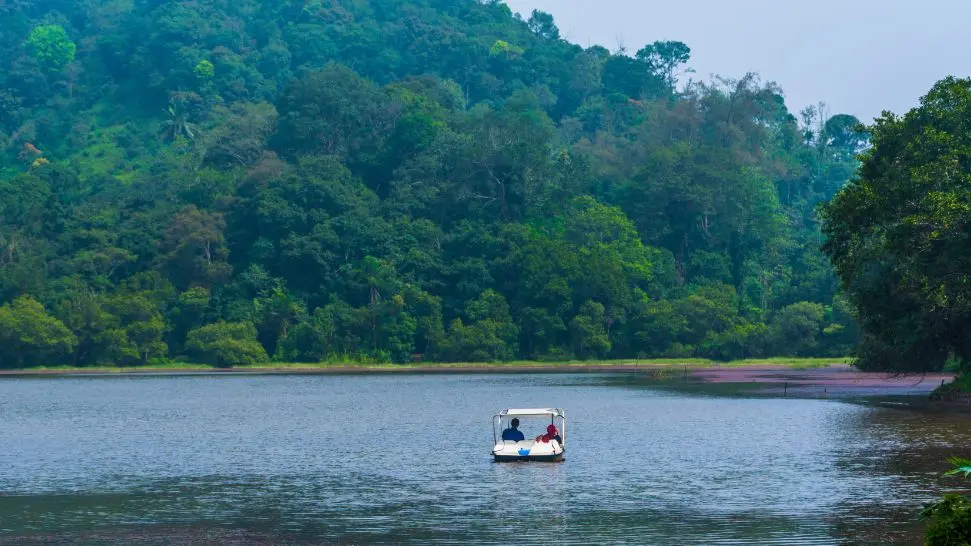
[{"x": 533, "y": 411}]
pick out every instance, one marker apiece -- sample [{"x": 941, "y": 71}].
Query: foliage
[
  {"x": 400, "y": 181},
  {"x": 31, "y": 337},
  {"x": 796, "y": 328},
  {"x": 51, "y": 46},
  {"x": 589, "y": 332},
  {"x": 490, "y": 336},
  {"x": 955, "y": 390},
  {"x": 504, "y": 48},
  {"x": 949, "y": 519},
  {"x": 664, "y": 58},
  {"x": 961, "y": 466},
  {"x": 541, "y": 23},
  {"x": 205, "y": 70},
  {"x": 226, "y": 344},
  {"x": 897, "y": 235},
  {"x": 177, "y": 124}
]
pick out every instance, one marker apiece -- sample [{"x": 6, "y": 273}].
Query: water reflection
[
  {"x": 905, "y": 453},
  {"x": 405, "y": 459}
]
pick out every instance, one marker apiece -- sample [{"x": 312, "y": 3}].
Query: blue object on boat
[{"x": 523, "y": 452}]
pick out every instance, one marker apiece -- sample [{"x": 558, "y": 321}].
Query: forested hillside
[{"x": 386, "y": 180}]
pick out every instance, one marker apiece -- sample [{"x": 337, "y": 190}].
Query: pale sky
[{"x": 857, "y": 56}]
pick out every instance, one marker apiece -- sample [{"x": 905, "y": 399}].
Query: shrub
[
  {"x": 226, "y": 344},
  {"x": 949, "y": 519}
]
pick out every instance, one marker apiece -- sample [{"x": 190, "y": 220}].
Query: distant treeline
[{"x": 232, "y": 182}]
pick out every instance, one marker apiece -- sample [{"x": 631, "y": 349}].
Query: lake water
[{"x": 405, "y": 459}]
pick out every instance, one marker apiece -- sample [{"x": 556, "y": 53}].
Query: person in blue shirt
[{"x": 513, "y": 434}]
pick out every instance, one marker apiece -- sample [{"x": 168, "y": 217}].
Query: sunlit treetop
[{"x": 51, "y": 46}]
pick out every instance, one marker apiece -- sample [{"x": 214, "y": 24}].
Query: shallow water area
[{"x": 362, "y": 459}]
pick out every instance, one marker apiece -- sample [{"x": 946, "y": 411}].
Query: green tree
[
  {"x": 196, "y": 248},
  {"x": 741, "y": 340},
  {"x": 310, "y": 340},
  {"x": 542, "y": 24},
  {"x": 275, "y": 313},
  {"x": 795, "y": 329},
  {"x": 31, "y": 337},
  {"x": 177, "y": 124},
  {"x": 845, "y": 134},
  {"x": 190, "y": 312},
  {"x": 679, "y": 327},
  {"x": 226, "y": 344},
  {"x": 51, "y": 46},
  {"x": 84, "y": 312},
  {"x": 632, "y": 78},
  {"x": 502, "y": 48},
  {"x": 588, "y": 333},
  {"x": 490, "y": 336},
  {"x": 241, "y": 138},
  {"x": 138, "y": 336},
  {"x": 664, "y": 58},
  {"x": 205, "y": 70},
  {"x": 949, "y": 519},
  {"x": 897, "y": 233},
  {"x": 540, "y": 333},
  {"x": 334, "y": 112}
]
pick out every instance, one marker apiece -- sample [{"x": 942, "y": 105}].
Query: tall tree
[
  {"x": 664, "y": 59},
  {"x": 51, "y": 46},
  {"x": 898, "y": 235}
]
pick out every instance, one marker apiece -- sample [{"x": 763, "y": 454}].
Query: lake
[{"x": 260, "y": 459}]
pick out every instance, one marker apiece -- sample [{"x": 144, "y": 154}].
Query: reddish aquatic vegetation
[{"x": 831, "y": 381}]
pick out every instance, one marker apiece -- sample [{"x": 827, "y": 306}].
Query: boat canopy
[{"x": 556, "y": 412}]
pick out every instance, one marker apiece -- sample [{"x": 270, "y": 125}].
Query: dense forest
[{"x": 392, "y": 180}]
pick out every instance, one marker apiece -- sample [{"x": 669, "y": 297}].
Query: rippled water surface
[{"x": 405, "y": 459}]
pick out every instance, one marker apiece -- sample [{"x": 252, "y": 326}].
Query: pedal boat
[{"x": 506, "y": 451}]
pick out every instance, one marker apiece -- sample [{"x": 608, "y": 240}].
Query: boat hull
[
  {"x": 528, "y": 450},
  {"x": 529, "y": 458}
]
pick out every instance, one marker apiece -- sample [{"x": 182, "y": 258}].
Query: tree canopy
[
  {"x": 398, "y": 180},
  {"x": 898, "y": 235},
  {"x": 50, "y": 46}
]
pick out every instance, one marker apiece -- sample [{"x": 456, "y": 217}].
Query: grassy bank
[
  {"x": 957, "y": 390},
  {"x": 335, "y": 367}
]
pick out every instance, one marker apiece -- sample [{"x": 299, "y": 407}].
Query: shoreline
[
  {"x": 767, "y": 373},
  {"x": 787, "y": 378},
  {"x": 620, "y": 366}
]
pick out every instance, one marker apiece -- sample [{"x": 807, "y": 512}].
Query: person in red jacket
[{"x": 551, "y": 434}]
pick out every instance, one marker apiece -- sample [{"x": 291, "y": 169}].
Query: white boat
[{"x": 529, "y": 449}]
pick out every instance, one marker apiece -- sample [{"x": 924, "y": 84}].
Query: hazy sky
[{"x": 857, "y": 56}]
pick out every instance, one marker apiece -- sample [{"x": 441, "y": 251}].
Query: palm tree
[{"x": 177, "y": 125}]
